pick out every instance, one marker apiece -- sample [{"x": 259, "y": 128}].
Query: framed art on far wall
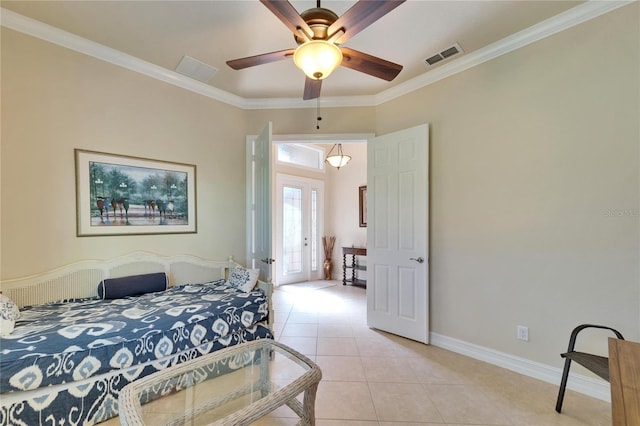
[
  {"x": 362, "y": 202},
  {"x": 123, "y": 195}
]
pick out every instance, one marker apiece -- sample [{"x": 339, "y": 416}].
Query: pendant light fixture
[{"x": 338, "y": 159}]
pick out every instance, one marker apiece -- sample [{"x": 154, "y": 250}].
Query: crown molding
[
  {"x": 62, "y": 38},
  {"x": 574, "y": 16},
  {"x": 565, "y": 20}
]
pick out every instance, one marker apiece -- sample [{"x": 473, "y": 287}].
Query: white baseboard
[{"x": 586, "y": 385}]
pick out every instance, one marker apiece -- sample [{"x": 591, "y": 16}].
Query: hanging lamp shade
[
  {"x": 338, "y": 159},
  {"x": 317, "y": 58}
]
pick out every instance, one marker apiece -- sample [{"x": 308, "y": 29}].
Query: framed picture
[
  {"x": 122, "y": 195},
  {"x": 362, "y": 201}
]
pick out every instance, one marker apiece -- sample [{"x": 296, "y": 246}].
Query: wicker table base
[{"x": 234, "y": 386}]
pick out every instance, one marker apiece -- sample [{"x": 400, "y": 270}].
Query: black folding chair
[{"x": 594, "y": 363}]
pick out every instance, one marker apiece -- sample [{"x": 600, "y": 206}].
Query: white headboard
[{"x": 81, "y": 279}]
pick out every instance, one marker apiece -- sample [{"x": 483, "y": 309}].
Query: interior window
[{"x": 302, "y": 155}]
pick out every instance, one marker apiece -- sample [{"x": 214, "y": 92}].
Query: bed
[{"x": 71, "y": 351}]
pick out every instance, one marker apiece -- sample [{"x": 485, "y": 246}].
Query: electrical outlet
[{"x": 523, "y": 333}]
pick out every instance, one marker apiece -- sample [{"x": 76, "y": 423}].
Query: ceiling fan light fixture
[
  {"x": 337, "y": 160},
  {"x": 317, "y": 58}
]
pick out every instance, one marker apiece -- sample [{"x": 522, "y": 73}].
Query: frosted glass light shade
[
  {"x": 317, "y": 58},
  {"x": 337, "y": 160}
]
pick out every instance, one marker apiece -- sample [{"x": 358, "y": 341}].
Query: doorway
[
  {"x": 299, "y": 220},
  {"x": 397, "y": 205}
]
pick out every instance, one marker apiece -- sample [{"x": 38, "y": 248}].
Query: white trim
[
  {"x": 328, "y": 138},
  {"x": 574, "y": 16},
  {"x": 62, "y": 38},
  {"x": 596, "y": 388}
]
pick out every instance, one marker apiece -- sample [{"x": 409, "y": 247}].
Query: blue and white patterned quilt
[{"x": 80, "y": 339}]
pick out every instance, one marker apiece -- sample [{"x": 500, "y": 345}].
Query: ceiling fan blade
[
  {"x": 289, "y": 16},
  {"x": 311, "y": 89},
  {"x": 368, "y": 64},
  {"x": 265, "y": 58},
  {"x": 360, "y": 16}
]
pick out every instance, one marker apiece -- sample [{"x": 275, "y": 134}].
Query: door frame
[{"x": 312, "y": 138}]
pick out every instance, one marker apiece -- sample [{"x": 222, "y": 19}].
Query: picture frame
[
  {"x": 362, "y": 202},
  {"x": 125, "y": 195}
]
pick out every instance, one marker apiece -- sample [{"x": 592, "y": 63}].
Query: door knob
[
  {"x": 267, "y": 260},
  {"x": 419, "y": 259}
]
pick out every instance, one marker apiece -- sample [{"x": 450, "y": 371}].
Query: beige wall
[
  {"x": 55, "y": 100},
  {"x": 342, "y": 193},
  {"x": 530, "y": 153}
]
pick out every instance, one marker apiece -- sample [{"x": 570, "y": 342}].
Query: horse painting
[
  {"x": 101, "y": 207},
  {"x": 120, "y": 204}
]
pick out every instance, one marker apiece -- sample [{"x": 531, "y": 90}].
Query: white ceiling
[{"x": 161, "y": 32}]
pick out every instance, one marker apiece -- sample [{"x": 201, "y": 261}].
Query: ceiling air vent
[
  {"x": 445, "y": 54},
  {"x": 195, "y": 69}
]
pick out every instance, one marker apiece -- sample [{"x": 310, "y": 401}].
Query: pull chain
[{"x": 318, "y": 118}]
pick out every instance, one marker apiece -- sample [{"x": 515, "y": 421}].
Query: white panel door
[
  {"x": 259, "y": 245},
  {"x": 398, "y": 233}
]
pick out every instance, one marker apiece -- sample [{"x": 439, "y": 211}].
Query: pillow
[
  {"x": 243, "y": 279},
  {"x": 9, "y": 313},
  {"x": 133, "y": 285}
]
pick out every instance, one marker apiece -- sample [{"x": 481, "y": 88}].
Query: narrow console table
[{"x": 354, "y": 265}]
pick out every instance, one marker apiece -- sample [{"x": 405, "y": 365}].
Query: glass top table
[{"x": 233, "y": 386}]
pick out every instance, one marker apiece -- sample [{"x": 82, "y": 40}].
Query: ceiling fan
[{"x": 319, "y": 32}]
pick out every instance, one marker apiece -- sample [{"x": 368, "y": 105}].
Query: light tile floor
[{"x": 371, "y": 378}]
